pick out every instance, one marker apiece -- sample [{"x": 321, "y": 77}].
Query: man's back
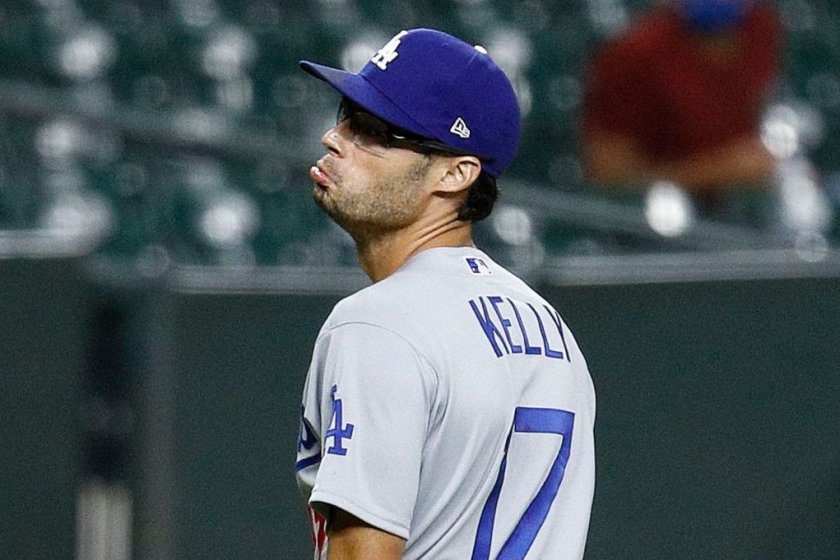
[{"x": 460, "y": 414}]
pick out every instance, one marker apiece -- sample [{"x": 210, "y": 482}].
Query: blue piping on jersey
[{"x": 308, "y": 462}]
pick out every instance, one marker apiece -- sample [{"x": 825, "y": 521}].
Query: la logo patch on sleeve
[{"x": 478, "y": 266}]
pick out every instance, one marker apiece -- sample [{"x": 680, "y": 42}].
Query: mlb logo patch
[{"x": 478, "y": 266}]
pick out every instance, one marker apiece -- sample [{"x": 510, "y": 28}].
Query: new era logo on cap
[{"x": 460, "y": 128}]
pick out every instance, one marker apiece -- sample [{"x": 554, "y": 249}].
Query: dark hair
[{"x": 480, "y": 199}]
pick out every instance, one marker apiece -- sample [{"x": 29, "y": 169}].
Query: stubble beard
[{"x": 378, "y": 208}]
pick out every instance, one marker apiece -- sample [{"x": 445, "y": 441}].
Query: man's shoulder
[
  {"x": 654, "y": 28},
  {"x": 643, "y": 42},
  {"x": 416, "y": 296},
  {"x": 386, "y": 303}
]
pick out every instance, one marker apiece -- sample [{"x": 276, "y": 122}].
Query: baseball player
[{"x": 448, "y": 412}]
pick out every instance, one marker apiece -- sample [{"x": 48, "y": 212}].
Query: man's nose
[{"x": 335, "y": 138}]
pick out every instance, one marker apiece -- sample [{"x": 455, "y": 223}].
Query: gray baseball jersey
[{"x": 450, "y": 405}]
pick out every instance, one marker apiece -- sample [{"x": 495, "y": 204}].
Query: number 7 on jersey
[{"x": 528, "y": 421}]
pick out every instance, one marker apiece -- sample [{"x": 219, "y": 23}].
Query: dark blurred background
[{"x": 164, "y": 273}]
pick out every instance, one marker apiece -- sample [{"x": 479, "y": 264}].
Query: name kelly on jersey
[{"x": 503, "y": 321}]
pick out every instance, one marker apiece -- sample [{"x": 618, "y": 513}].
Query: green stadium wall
[
  {"x": 716, "y": 431},
  {"x": 42, "y": 324}
]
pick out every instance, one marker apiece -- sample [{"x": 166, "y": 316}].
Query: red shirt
[{"x": 654, "y": 86}]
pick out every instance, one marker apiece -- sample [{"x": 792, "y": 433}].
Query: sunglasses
[{"x": 371, "y": 132}]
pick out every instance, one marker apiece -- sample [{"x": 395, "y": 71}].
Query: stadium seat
[{"x": 236, "y": 61}]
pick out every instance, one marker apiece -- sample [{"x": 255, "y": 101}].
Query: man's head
[
  {"x": 714, "y": 16},
  {"x": 434, "y": 95}
]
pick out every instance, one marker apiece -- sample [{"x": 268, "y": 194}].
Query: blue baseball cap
[
  {"x": 439, "y": 87},
  {"x": 715, "y": 16}
]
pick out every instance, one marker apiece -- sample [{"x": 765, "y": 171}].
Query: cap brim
[{"x": 360, "y": 91}]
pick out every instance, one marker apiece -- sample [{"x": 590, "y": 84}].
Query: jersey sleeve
[{"x": 375, "y": 397}]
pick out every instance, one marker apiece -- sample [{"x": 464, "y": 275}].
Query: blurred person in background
[{"x": 679, "y": 98}]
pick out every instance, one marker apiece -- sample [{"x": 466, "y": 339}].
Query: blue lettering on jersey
[
  {"x": 555, "y": 317},
  {"x": 495, "y": 301},
  {"x": 528, "y": 348},
  {"x": 338, "y": 431},
  {"x": 490, "y": 329},
  {"x": 509, "y": 341},
  {"x": 548, "y": 350}
]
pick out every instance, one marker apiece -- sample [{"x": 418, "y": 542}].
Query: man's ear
[{"x": 459, "y": 174}]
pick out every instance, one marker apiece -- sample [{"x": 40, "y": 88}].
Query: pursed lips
[{"x": 320, "y": 175}]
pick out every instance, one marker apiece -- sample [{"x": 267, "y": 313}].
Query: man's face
[{"x": 366, "y": 187}]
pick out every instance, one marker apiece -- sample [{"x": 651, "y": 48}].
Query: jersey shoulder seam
[
  {"x": 349, "y": 323},
  {"x": 417, "y": 352}
]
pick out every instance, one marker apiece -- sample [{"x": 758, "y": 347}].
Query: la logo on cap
[
  {"x": 388, "y": 53},
  {"x": 460, "y": 128}
]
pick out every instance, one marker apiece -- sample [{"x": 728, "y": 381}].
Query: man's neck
[{"x": 380, "y": 255}]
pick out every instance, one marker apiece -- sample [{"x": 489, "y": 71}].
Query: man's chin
[
  {"x": 327, "y": 205},
  {"x": 321, "y": 198}
]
